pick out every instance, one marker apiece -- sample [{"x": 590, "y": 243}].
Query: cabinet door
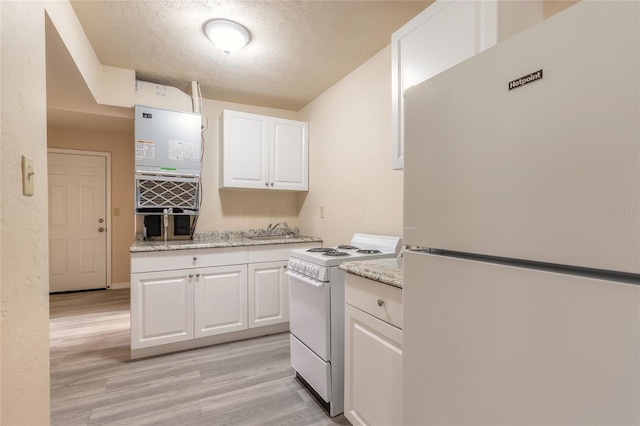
[
  {"x": 268, "y": 294},
  {"x": 373, "y": 370},
  {"x": 220, "y": 300},
  {"x": 418, "y": 51},
  {"x": 245, "y": 150},
  {"x": 161, "y": 308},
  {"x": 289, "y": 155}
]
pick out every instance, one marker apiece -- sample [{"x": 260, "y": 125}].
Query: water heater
[
  {"x": 167, "y": 141},
  {"x": 168, "y": 151}
]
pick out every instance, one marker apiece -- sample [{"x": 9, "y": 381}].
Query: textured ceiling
[{"x": 298, "y": 49}]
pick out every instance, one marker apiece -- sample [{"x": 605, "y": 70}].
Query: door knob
[
  {"x": 101, "y": 229},
  {"x": 101, "y": 220}
]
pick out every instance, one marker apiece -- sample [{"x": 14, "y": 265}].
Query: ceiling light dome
[{"x": 226, "y": 35}]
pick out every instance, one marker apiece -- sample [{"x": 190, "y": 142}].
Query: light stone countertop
[
  {"x": 386, "y": 271},
  {"x": 214, "y": 240}
]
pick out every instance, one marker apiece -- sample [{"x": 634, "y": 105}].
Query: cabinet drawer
[
  {"x": 276, "y": 252},
  {"x": 364, "y": 294},
  {"x": 183, "y": 259}
]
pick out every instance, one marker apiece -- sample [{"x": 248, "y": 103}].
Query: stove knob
[{"x": 316, "y": 272}]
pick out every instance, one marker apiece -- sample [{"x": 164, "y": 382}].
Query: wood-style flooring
[{"x": 94, "y": 381}]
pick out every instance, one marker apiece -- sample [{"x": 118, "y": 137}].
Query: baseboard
[
  {"x": 210, "y": 340},
  {"x": 116, "y": 286}
]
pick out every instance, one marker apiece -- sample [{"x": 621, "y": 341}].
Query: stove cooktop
[{"x": 362, "y": 247}]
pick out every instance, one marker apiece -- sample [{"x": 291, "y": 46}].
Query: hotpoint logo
[{"x": 518, "y": 82}]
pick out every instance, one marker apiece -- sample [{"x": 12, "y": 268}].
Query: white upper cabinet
[
  {"x": 443, "y": 35},
  {"x": 261, "y": 152}
]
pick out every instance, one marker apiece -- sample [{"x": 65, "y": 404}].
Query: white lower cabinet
[
  {"x": 373, "y": 354},
  {"x": 268, "y": 294},
  {"x": 173, "y": 306},
  {"x": 207, "y": 296},
  {"x": 220, "y": 296},
  {"x": 161, "y": 308}
]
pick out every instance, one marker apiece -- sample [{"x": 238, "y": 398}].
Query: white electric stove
[{"x": 316, "y": 306}]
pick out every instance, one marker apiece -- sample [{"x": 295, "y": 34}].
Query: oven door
[{"x": 310, "y": 313}]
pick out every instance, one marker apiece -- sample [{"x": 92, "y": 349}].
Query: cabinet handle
[
  {"x": 190, "y": 275},
  {"x": 271, "y": 183},
  {"x": 266, "y": 184},
  {"x": 380, "y": 302},
  {"x": 195, "y": 258},
  {"x": 197, "y": 275}
]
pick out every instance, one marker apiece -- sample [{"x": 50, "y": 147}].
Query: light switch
[
  {"x": 27, "y": 176},
  {"x": 116, "y": 211}
]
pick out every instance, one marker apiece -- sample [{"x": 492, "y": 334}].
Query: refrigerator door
[
  {"x": 548, "y": 171},
  {"x": 492, "y": 344}
]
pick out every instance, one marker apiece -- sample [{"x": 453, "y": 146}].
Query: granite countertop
[
  {"x": 386, "y": 271},
  {"x": 215, "y": 240}
]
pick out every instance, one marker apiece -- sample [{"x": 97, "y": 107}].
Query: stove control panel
[{"x": 318, "y": 272}]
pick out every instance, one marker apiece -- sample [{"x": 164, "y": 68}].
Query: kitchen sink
[{"x": 276, "y": 237}]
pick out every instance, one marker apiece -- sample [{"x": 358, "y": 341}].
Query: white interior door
[{"x": 77, "y": 222}]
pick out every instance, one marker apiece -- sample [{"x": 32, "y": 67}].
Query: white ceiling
[{"x": 298, "y": 49}]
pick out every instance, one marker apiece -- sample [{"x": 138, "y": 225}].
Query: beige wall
[
  {"x": 350, "y": 158},
  {"x": 24, "y": 268},
  {"x": 120, "y": 145}
]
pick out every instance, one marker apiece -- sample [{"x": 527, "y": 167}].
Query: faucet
[
  {"x": 272, "y": 228},
  {"x": 287, "y": 230}
]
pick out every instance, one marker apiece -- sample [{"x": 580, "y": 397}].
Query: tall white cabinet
[
  {"x": 443, "y": 35},
  {"x": 261, "y": 152}
]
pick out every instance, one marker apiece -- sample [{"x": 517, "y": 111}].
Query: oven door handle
[{"x": 302, "y": 278}]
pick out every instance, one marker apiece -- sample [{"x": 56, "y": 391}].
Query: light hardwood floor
[{"x": 93, "y": 380}]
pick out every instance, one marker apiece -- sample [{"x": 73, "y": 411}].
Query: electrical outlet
[
  {"x": 321, "y": 212},
  {"x": 116, "y": 211},
  {"x": 27, "y": 176}
]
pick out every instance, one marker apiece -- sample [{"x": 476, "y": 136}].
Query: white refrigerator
[{"x": 522, "y": 188}]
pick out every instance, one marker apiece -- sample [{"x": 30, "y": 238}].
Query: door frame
[{"x": 107, "y": 156}]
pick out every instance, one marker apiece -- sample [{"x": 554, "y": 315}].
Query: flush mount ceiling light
[{"x": 226, "y": 35}]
